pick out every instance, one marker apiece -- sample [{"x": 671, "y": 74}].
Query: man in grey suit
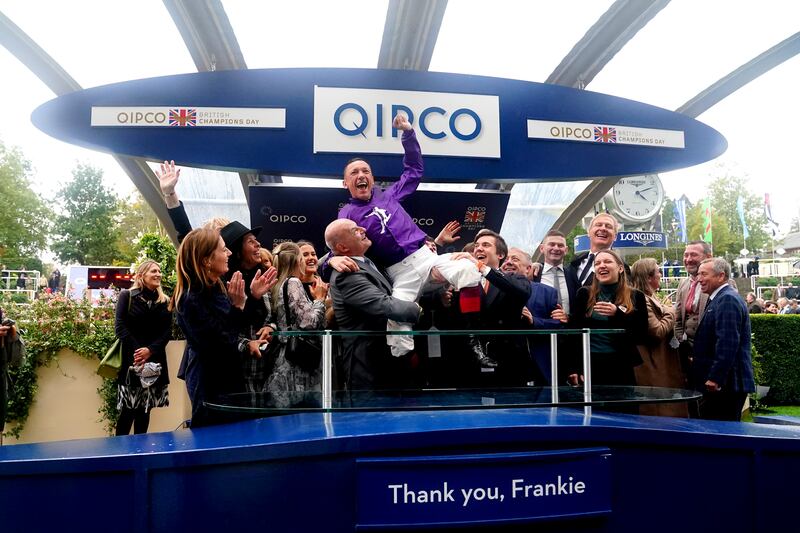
[{"x": 362, "y": 301}]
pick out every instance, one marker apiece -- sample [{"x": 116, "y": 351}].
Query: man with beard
[{"x": 690, "y": 301}]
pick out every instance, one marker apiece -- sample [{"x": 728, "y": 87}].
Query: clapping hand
[
  {"x": 262, "y": 283},
  {"x": 236, "y": 290}
]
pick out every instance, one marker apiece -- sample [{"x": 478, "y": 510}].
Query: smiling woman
[{"x": 610, "y": 303}]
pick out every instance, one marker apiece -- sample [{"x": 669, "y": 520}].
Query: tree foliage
[
  {"x": 135, "y": 218},
  {"x": 24, "y": 218},
  {"x": 86, "y": 231}
]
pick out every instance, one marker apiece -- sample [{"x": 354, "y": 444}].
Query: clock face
[{"x": 638, "y": 198}]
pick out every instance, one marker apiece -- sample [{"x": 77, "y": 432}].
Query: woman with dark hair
[
  {"x": 144, "y": 326},
  {"x": 209, "y": 315},
  {"x": 662, "y": 365},
  {"x": 610, "y": 303},
  {"x": 304, "y": 312}
]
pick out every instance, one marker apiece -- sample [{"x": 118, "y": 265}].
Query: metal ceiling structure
[
  {"x": 212, "y": 43},
  {"x": 411, "y": 30},
  {"x": 60, "y": 82}
]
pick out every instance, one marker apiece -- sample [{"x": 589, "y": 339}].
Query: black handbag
[{"x": 303, "y": 351}]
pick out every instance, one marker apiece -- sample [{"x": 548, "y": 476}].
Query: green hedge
[{"x": 777, "y": 339}]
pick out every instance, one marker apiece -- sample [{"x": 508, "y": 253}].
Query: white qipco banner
[{"x": 350, "y": 120}]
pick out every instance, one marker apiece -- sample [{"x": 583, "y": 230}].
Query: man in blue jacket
[{"x": 722, "y": 368}]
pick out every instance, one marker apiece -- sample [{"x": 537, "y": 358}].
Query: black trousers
[{"x": 722, "y": 405}]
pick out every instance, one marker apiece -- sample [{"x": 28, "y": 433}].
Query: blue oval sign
[{"x": 304, "y": 121}]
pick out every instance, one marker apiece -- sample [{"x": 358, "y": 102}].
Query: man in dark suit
[
  {"x": 722, "y": 368},
  {"x": 502, "y": 298},
  {"x": 554, "y": 272},
  {"x": 362, "y": 301},
  {"x": 538, "y": 313},
  {"x": 602, "y": 232}
]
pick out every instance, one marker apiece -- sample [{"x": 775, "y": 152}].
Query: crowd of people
[{"x": 383, "y": 273}]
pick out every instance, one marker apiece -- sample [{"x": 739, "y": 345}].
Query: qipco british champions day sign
[{"x": 303, "y": 121}]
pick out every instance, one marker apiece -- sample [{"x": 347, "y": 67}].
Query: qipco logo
[
  {"x": 352, "y": 119},
  {"x": 288, "y": 219}
]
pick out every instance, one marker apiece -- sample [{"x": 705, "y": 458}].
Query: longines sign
[{"x": 310, "y": 121}]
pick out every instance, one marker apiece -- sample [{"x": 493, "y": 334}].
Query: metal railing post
[
  {"x": 327, "y": 370},
  {"x": 587, "y": 369},
  {"x": 554, "y": 367}
]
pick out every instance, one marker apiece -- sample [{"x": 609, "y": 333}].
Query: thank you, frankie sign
[
  {"x": 485, "y": 488},
  {"x": 451, "y": 124}
]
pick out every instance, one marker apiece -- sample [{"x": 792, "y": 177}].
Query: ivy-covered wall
[{"x": 51, "y": 323}]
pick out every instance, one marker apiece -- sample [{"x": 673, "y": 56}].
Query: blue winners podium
[{"x": 494, "y": 469}]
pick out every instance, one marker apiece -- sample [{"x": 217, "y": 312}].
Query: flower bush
[{"x": 49, "y": 324}]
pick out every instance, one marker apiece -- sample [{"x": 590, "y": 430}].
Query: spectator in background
[
  {"x": 54, "y": 281},
  {"x": 676, "y": 268},
  {"x": 144, "y": 326},
  {"x": 266, "y": 259},
  {"x": 662, "y": 365},
  {"x": 22, "y": 279},
  {"x": 783, "y": 305},
  {"x": 753, "y": 306},
  {"x": 602, "y": 232},
  {"x": 771, "y": 307}
]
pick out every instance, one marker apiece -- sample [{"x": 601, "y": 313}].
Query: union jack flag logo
[
  {"x": 605, "y": 134},
  {"x": 474, "y": 216},
  {"x": 183, "y": 117}
]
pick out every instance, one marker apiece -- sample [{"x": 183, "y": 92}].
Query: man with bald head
[{"x": 363, "y": 301}]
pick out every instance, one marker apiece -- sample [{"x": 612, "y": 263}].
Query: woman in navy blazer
[{"x": 208, "y": 314}]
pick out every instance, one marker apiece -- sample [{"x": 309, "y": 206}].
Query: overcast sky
[{"x": 688, "y": 46}]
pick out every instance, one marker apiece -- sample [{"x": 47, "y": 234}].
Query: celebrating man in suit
[
  {"x": 722, "y": 367},
  {"x": 602, "y": 232},
  {"x": 690, "y": 301},
  {"x": 553, "y": 272},
  {"x": 502, "y": 298},
  {"x": 537, "y": 311},
  {"x": 362, "y": 301}
]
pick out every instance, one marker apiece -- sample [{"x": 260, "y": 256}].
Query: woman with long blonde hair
[
  {"x": 610, "y": 303},
  {"x": 304, "y": 312},
  {"x": 143, "y": 324},
  {"x": 662, "y": 365},
  {"x": 208, "y": 313}
]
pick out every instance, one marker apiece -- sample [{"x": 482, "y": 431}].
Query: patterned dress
[
  {"x": 142, "y": 322},
  {"x": 305, "y": 314}
]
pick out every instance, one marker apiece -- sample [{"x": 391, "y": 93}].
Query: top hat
[{"x": 234, "y": 232}]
